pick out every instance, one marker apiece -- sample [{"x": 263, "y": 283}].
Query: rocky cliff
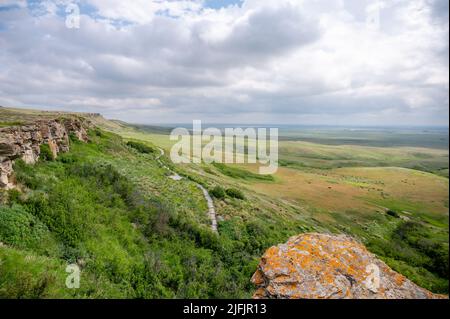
[
  {"x": 24, "y": 142},
  {"x": 320, "y": 266}
]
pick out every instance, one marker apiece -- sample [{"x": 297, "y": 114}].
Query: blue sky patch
[{"x": 217, "y": 4}]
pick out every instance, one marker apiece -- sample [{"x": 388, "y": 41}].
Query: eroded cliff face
[
  {"x": 321, "y": 266},
  {"x": 24, "y": 142}
]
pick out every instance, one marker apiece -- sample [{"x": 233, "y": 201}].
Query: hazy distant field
[
  {"x": 330, "y": 179},
  {"x": 325, "y": 148},
  {"x": 384, "y": 137}
]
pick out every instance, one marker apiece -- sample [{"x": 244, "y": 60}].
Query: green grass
[
  {"x": 12, "y": 123},
  {"x": 306, "y": 155},
  {"x": 239, "y": 173},
  {"x": 412, "y": 249},
  {"x": 380, "y": 137},
  {"x": 137, "y": 233},
  {"x": 375, "y": 229}
]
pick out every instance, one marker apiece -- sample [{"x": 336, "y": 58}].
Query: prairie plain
[
  {"x": 144, "y": 235},
  {"x": 371, "y": 183}
]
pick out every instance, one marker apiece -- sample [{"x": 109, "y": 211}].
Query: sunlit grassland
[
  {"x": 309, "y": 155},
  {"x": 349, "y": 188},
  {"x": 147, "y": 236},
  {"x": 340, "y": 177},
  {"x": 137, "y": 233}
]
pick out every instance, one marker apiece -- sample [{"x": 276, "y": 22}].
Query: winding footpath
[
  {"x": 209, "y": 200},
  {"x": 211, "y": 209}
]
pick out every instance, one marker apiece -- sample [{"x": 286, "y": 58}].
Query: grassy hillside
[
  {"x": 372, "y": 193},
  {"x": 109, "y": 206},
  {"x": 320, "y": 156},
  {"x": 137, "y": 233}
]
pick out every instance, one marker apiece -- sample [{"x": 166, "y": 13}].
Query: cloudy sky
[{"x": 359, "y": 62}]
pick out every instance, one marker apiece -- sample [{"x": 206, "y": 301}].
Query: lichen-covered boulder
[{"x": 322, "y": 266}]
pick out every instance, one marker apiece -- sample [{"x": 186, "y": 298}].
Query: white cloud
[
  {"x": 19, "y": 3},
  {"x": 140, "y": 11},
  {"x": 284, "y": 60},
  {"x": 143, "y": 11}
]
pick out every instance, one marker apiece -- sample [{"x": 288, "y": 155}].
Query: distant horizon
[
  {"x": 285, "y": 125},
  {"x": 223, "y": 124}
]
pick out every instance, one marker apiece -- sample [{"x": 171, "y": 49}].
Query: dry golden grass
[{"x": 358, "y": 189}]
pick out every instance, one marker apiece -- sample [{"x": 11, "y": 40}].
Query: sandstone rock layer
[
  {"x": 321, "y": 266},
  {"x": 23, "y": 142}
]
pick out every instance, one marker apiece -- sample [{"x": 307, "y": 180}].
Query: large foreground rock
[{"x": 313, "y": 266}]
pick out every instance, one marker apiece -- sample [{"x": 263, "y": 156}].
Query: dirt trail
[
  {"x": 211, "y": 209},
  {"x": 209, "y": 201}
]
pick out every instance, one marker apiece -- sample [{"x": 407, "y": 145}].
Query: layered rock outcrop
[
  {"x": 321, "y": 266},
  {"x": 24, "y": 142}
]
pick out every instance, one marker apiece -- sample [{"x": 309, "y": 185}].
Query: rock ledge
[{"x": 23, "y": 142}]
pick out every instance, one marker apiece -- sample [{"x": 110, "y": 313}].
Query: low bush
[
  {"x": 218, "y": 192},
  {"x": 411, "y": 249},
  {"x": 45, "y": 153},
  {"x": 73, "y": 137},
  {"x": 235, "y": 193},
  {"x": 393, "y": 213},
  {"x": 67, "y": 158},
  {"x": 26, "y": 175},
  {"x": 21, "y": 229},
  {"x": 140, "y": 147},
  {"x": 417, "y": 236}
]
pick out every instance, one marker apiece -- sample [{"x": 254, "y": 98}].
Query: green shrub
[
  {"x": 21, "y": 229},
  {"x": 235, "y": 193},
  {"x": 158, "y": 219},
  {"x": 393, "y": 213},
  {"x": 14, "y": 196},
  {"x": 26, "y": 175},
  {"x": 141, "y": 243},
  {"x": 65, "y": 212},
  {"x": 73, "y": 138},
  {"x": 94, "y": 134},
  {"x": 20, "y": 284},
  {"x": 46, "y": 154},
  {"x": 218, "y": 192},
  {"x": 67, "y": 158},
  {"x": 140, "y": 147},
  {"x": 98, "y": 133},
  {"x": 413, "y": 249},
  {"x": 417, "y": 236}
]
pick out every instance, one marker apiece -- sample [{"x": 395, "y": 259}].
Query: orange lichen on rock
[{"x": 318, "y": 266}]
